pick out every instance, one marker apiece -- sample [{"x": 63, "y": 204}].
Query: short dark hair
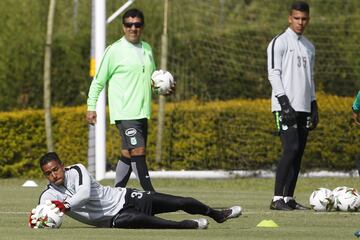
[
  {"x": 48, "y": 157},
  {"x": 300, "y": 6},
  {"x": 134, "y": 12}
]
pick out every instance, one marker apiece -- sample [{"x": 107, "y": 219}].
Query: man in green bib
[{"x": 126, "y": 68}]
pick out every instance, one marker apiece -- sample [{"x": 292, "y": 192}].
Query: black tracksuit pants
[{"x": 293, "y": 140}]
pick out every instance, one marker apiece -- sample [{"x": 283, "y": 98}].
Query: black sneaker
[
  {"x": 296, "y": 206},
  {"x": 280, "y": 205}
]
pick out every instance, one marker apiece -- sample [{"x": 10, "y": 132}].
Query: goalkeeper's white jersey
[
  {"x": 89, "y": 201},
  {"x": 290, "y": 59}
]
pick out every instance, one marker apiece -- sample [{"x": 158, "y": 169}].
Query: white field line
[
  {"x": 244, "y": 213},
  {"x": 14, "y": 213},
  {"x": 220, "y": 174}
]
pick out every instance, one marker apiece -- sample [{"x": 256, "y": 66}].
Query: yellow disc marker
[{"x": 267, "y": 223}]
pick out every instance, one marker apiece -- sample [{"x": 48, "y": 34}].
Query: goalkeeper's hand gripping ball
[{"x": 46, "y": 216}]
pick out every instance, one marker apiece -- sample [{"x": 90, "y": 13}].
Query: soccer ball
[
  {"x": 337, "y": 192},
  {"x": 46, "y": 216},
  {"x": 348, "y": 200},
  {"x": 322, "y": 199},
  {"x": 162, "y": 81}
]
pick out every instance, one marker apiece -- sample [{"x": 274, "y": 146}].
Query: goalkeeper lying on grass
[{"x": 77, "y": 194}]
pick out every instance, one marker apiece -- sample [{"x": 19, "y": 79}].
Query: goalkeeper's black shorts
[
  {"x": 138, "y": 200},
  {"x": 302, "y": 120}
]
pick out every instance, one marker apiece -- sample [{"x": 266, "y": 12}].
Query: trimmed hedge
[
  {"x": 237, "y": 134},
  {"x": 22, "y": 139}
]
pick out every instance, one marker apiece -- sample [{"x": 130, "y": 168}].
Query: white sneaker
[
  {"x": 228, "y": 213},
  {"x": 236, "y": 211},
  {"x": 202, "y": 223}
]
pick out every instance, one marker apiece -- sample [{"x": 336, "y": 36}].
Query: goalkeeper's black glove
[
  {"x": 314, "y": 116},
  {"x": 288, "y": 114}
]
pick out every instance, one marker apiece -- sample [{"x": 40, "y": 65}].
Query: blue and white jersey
[
  {"x": 90, "y": 202},
  {"x": 290, "y": 59}
]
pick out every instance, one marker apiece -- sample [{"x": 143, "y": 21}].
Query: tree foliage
[{"x": 217, "y": 49}]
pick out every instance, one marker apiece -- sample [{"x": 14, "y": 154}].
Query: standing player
[
  {"x": 356, "y": 109},
  {"x": 126, "y": 67},
  {"x": 290, "y": 71},
  {"x": 78, "y": 195},
  {"x": 356, "y": 117}
]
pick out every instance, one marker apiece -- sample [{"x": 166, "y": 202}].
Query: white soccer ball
[
  {"x": 162, "y": 81},
  {"x": 348, "y": 200},
  {"x": 322, "y": 199},
  {"x": 47, "y": 216},
  {"x": 337, "y": 192}
]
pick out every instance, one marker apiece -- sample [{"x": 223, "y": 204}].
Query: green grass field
[{"x": 251, "y": 193}]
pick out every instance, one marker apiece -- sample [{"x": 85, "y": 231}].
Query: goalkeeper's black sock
[
  {"x": 220, "y": 216},
  {"x": 138, "y": 164}
]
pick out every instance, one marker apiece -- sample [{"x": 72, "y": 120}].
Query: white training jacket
[
  {"x": 90, "y": 202},
  {"x": 290, "y": 59}
]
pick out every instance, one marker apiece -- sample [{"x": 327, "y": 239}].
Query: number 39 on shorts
[{"x": 136, "y": 194}]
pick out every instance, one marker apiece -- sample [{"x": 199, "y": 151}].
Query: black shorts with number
[
  {"x": 138, "y": 200},
  {"x": 133, "y": 133}
]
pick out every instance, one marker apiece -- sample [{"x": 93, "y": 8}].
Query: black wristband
[
  {"x": 313, "y": 105},
  {"x": 283, "y": 101}
]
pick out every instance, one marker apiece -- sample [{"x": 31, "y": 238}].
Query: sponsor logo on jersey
[
  {"x": 130, "y": 132},
  {"x": 133, "y": 141}
]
